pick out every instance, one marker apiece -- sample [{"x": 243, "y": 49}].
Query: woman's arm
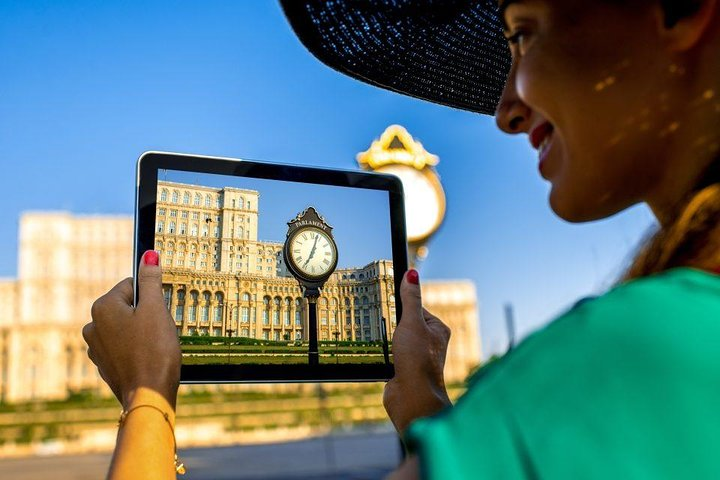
[
  {"x": 419, "y": 348},
  {"x": 138, "y": 354}
]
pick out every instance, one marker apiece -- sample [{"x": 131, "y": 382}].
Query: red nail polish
[
  {"x": 413, "y": 277},
  {"x": 152, "y": 258}
]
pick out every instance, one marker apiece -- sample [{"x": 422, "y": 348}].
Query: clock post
[{"x": 311, "y": 255}]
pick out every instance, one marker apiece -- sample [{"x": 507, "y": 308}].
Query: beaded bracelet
[{"x": 179, "y": 467}]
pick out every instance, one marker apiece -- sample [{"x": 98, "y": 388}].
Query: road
[{"x": 366, "y": 455}]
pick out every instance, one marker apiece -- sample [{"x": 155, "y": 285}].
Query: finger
[
  {"x": 411, "y": 298},
  {"x": 150, "y": 278}
]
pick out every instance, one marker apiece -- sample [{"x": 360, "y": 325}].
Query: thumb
[
  {"x": 150, "y": 278},
  {"x": 411, "y": 299}
]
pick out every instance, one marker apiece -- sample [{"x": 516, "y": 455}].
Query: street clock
[
  {"x": 310, "y": 251},
  {"x": 396, "y": 152},
  {"x": 311, "y": 256}
]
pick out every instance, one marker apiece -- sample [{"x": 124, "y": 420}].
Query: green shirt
[{"x": 623, "y": 386}]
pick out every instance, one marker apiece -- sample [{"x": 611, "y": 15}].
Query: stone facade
[
  {"x": 220, "y": 280},
  {"x": 65, "y": 262}
]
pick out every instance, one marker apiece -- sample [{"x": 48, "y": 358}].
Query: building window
[
  {"x": 245, "y": 315},
  {"x": 217, "y": 232},
  {"x": 265, "y": 318},
  {"x": 208, "y": 200},
  {"x": 276, "y": 317},
  {"x": 160, "y": 226},
  {"x": 196, "y": 202},
  {"x": 194, "y": 230},
  {"x": 218, "y": 202},
  {"x": 195, "y": 215},
  {"x": 163, "y": 195},
  {"x": 266, "y": 335},
  {"x": 186, "y": 198},
  {"x": 286, "y": 315},
  {"x": 167, "y": 295},
  {"x": 240, "y": 232},
  {"x": 205, "y": 231},
  {"x": 248, "y": 206},
  {"x": 298, "y": 320},
  {"x": 245, "y": 332},
  {"x": 173, "y": 213},
  {"x": 161, "y": 212},
  {"x": 246, "y": 297},
  {"x": 242, "y": 202},
  {"x": 205, "y": 310},
  {"x": 323, "y": 318},
  {"x": 218, "y": 307},
  {"x": 192, "y": 309},
  {"x": 175, "y": 196},
  {"x": 183, "y": 228},
  {"x": 217, "y": 332}
]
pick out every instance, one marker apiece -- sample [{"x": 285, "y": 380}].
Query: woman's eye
[{"x": 517, "y": 40}]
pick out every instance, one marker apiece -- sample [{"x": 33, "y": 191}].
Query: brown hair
[{"x": 692, "y": 239}]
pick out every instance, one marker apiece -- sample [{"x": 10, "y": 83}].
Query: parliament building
[{"x": 220, "y": 280}]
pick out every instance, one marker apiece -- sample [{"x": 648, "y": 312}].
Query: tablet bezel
[{"x": 148, "y": 166}]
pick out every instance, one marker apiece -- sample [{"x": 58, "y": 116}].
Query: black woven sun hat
[{"x": 450, "y": 52}]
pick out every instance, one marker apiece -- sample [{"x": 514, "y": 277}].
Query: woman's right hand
[
  {"x": 135, "y": 347},
  {"x": 419, "y": 347}
]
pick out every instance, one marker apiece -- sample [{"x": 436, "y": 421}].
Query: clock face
[
  {"x": 424, "y": 200},
  {"x": 312, "y": 252}
]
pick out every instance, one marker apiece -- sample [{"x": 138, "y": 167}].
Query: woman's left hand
[{"x": 135, "y": 347}]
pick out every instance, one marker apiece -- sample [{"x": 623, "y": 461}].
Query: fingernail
[
  {"x": 151, "y": 258},
  {"x": 413, "y": 277}
]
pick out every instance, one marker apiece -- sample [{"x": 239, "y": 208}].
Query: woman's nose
[{"x": 512, "y": 115}]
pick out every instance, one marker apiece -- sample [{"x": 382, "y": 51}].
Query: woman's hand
[
  {"x": 135, "y": 347},
  {"x": 419, "y": 347}
]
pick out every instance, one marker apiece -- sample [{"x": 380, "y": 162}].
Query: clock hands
[{"x": 312, "y": 252}]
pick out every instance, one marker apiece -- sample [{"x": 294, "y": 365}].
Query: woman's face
[{"x": 591, "y": 86}]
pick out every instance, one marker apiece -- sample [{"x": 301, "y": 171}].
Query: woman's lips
[
  {"x": 541, "y": 139},
  {"x": 539, "y": 133}
]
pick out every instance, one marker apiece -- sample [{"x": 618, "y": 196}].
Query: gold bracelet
[{"x": 179, "y": 467}]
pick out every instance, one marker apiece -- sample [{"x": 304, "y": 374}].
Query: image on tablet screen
[{"x": 236, "y": 301}]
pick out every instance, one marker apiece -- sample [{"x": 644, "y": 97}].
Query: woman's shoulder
[{"x": 658, "y": 318}]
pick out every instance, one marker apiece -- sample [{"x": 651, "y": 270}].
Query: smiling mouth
[{"x": 540, "y": 136}]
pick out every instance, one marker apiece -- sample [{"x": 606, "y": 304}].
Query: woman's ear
[{"x": 687, "y": 31}]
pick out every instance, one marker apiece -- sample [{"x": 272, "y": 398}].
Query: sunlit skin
[{"x": 633, "y": 105}]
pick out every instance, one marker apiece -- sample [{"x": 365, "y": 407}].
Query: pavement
[{"x": 354, "y": 455}]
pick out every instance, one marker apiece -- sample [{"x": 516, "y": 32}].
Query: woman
[{"x": 622, "y": 101}]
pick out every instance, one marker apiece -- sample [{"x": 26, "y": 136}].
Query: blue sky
[
  {"x": 86, "y": 87},
  {"x": 360, "y": 217}
]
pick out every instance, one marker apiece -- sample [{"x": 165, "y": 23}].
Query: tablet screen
[{"x": 235, "y": 295}]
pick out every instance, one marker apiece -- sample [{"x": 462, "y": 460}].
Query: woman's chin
[{"x": 574, "y": 209}]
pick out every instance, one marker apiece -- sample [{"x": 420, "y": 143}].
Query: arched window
[
  {"x": 242, "y": 202},
  {"x": 186, "y": 198},
  {"x": 356, "y": 300},
  {"x": 364, "y": 300},
  {"x": 240, "y": 232},
  {"x": 217, "y": 317},
  {"x": 323, "y": 302},
  {"x": 197, "y": 199},
  {"x": 192, "y": 309},
  {"x": 246, "y": 297},
  {"x": 167, "y": 295},
  {"x": 163, "y": 195},
  {"x": 208, "y": 200},
  {"x": 333, "y": 302},
  {"x": 180, "y": 307},
  {"x": 205, "y": 310},
  {"x": 276, "y": 301},
  {"x": 175, "y": 196}
]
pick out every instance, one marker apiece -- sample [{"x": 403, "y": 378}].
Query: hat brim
[{"x": 450, "y": 52}]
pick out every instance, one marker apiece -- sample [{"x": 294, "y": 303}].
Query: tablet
[{"x": 274, "y": 273}]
